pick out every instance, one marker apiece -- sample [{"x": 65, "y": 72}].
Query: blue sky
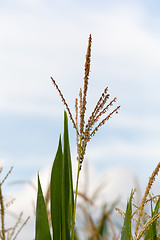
[{"x": 40, "y": 39}]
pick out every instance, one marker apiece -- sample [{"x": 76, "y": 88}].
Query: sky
[{"x": 40, "y": 39}]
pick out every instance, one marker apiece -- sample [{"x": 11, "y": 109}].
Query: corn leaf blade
[
  {"x": 42, "y": 225},
  {"x": 56, "y": 193},
  {"x": 67, "y": 161},
  {"x": 67, "y": 192},
  {"x": 151, "y": 232},
  {"x": 126, "y": 231}
]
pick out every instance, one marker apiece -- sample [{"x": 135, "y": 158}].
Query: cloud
[
  {"x": 131, "y": 47},
  {"x": 37, "y": 45},
  {"x": 22, "y": 3}
]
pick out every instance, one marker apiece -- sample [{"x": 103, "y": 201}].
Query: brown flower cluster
[{"x": 85, "y": 130}]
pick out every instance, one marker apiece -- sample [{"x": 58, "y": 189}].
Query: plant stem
[
  {"x": 2, "y": 213},
  {"x": 76, "y": 192}
]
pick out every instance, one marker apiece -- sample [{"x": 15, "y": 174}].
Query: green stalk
[
  {"x": 2, "y": 212},
  {"x": 76, "y": 193}
]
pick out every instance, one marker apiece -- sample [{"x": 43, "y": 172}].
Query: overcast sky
[{"x": 39, "y": 39}]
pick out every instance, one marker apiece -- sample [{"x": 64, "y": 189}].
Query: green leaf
[
  {"x": 68, "y": 166},
  {"x": 56, "y": 193},
  {"x": 151, "y": 232},
  {"x": 156, "y": 210},
  {"x": 62, "y": 199},
  {"x": 67, "y": 192},
  {"x": 42, "y": 225},
  {"x": 126, "y": 231}
]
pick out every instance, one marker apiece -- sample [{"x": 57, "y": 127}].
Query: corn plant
[
  {"x": 63, "y": 204},
  {"x": 148, "y": 229},
  {"x": 63, "y": 201},
  {"x": 12, "y": 232},
  {"x": 87, "y": 128},
  {"x": 61, "y": 195}
]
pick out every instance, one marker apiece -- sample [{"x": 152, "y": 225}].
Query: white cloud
[
  {"x": 23, "y": 3},
  {"x": 35, "y": 46},
  {"x": 125, "y": 38},
  {"x": 145, "y": 151},
  {"x": 143, "y": 122}
]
